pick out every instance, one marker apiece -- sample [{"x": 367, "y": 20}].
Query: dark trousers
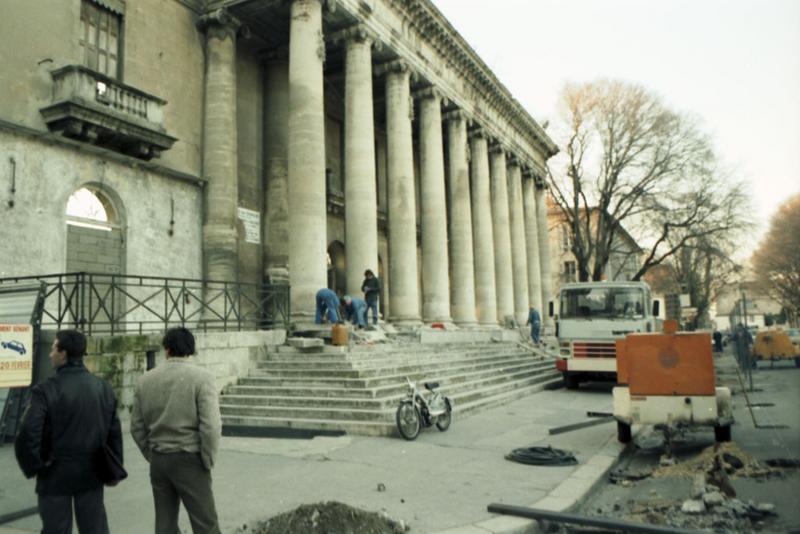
[
  {"x": 90, "y": 513},
  {"x": 181, "y": 477},
  {"x": 372, "y": 305}
]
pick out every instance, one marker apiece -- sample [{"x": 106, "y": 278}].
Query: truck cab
[{"x": 592, "y": 316}]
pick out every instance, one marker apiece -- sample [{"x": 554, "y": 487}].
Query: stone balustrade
[{"x": 92, "y": 107}]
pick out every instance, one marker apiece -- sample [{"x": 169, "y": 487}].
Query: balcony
[{"x": 94, "y": 108}]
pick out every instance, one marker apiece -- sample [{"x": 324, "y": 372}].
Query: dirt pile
[
  {"x": 327, "y": 518},
  {"x": 737, "y": 464}
]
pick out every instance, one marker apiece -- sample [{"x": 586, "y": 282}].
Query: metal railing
[{"x": 99, "y": 303}]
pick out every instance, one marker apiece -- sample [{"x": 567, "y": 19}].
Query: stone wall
[
  {"x": 227, "y": 355},
  {"x": 34, "y": 230},
  {"x": 168, "y": 64}
]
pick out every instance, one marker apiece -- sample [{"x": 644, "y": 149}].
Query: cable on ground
[{"x": 541, "y": 456}]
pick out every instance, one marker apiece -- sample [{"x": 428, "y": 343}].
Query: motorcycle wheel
[
  {"x": 408, "y": 420},
  {"x": 443, "y": 421}
]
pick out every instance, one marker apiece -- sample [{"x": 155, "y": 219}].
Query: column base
[
  {"x": 405, "y": 322},
  {"x": 467, "y": 325}
]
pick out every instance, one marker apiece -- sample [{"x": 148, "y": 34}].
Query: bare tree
[
  {"x": 776, "y": 262},
  {"x": 630, "y": 160},
  {"x": 702, "y": 269}
]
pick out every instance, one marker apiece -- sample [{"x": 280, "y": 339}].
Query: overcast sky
[{"x": 734, "y": 63}]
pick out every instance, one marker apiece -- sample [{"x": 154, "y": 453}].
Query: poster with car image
[{"x": 16, "y": 355}]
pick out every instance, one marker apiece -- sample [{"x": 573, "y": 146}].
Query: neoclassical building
[{"x": 271, "y": 141}]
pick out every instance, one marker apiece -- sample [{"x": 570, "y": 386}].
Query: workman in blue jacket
[
  {"x": 535, "y": 320},
  {"x": 327, "y": 306},
  {"x": 355, "y": 310}
]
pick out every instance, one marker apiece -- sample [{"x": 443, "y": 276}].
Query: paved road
[
  {"x": 440, "y": 481},
  {"x": 778, "y": 386}
]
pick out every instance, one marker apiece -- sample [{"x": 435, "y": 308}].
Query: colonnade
[{"x": 484, "y": 251}]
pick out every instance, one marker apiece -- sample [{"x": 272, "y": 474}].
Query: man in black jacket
[{"x": 69, "y": 419}]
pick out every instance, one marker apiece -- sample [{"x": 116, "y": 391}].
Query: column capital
[
  {"x": 330, "y": 5},
  {"x": 456, "y": 115},
  {"x": 429, "y": 92},
  {"x": 220, "y": 23},
  {"x": 478, "y": 132},
  {"x": 498, "y": 148},
  {"x": 358, "y": 33},
  {"x": 395, "y": 66},
  {"x": 512, "y": 160}
]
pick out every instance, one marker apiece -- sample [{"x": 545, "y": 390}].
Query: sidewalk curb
[{"x": 570, "y": 493}]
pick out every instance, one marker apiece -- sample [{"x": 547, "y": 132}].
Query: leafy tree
[
  {"x": 776, "y": 262},
  {"x": 629, "y": 160}
]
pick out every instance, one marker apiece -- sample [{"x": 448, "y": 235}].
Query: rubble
[{"x": 704, "y": 462}]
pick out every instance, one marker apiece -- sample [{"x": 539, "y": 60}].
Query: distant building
[{"x": 624, "y": 261}]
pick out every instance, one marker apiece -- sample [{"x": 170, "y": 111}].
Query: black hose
[{"x": 541, "y": 456}]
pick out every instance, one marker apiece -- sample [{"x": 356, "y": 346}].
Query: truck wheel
[
  {"x": 571, "y": 381},
  {"x": 624, "y": 432},
  {"x": 722, "y": 433}
]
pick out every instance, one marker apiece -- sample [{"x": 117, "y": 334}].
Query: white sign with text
[{"x": 16, "y": 355}]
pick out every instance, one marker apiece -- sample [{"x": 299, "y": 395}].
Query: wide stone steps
[
  {"x": 367, "y": 359},
  {"x": 357, "y": 390},
  {"x": 453, "y": 374},
  {"x": 385, "y": 368},
  {"x": 385, "y": 426},
  {"x": 264, "y": 387}
]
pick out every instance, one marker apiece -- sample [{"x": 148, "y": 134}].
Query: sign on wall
[
  {"x": 251, "y": 221},
  {"x": 16, "y": 355}
]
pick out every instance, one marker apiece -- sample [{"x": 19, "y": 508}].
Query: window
[
  {"x": 602, "y": 302},
  {"x": 570, "y": 271},
  {"x": 100, "y": 38},
  {"x": 566, "y": 238}
]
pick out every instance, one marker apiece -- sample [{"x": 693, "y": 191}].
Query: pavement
[{"x": 440, "y": 483}]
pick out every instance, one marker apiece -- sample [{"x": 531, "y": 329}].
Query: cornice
[{"x": 429, "y": 22}]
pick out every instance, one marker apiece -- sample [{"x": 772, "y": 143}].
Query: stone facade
[{"x": 351, "y": 134}]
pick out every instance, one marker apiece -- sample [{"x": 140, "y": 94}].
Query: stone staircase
[{"x": 357, "y": 389}]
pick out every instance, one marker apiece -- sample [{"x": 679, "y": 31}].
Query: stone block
[{"x": 305, "y": 343}]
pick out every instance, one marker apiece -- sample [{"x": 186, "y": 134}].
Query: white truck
[{"x": 591, "y": 316}]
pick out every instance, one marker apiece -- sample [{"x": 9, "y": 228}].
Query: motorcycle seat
[{"x": 430, "y": 386}]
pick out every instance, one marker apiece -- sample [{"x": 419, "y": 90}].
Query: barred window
[{"x": 100, "y": 38}]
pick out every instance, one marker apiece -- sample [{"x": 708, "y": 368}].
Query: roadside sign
[{"x": 16, "y": 355}]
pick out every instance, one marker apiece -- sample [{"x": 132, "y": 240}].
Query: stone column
[
  {"x": 306, "y": 149},
  {"x": 361, "y": 205},
  {"x": 482, "y": 231},
  {"x": 435, "y": 267},
  {"x": 532, "y": 242},
  {"x": 462, "y": 282},
  {"x": 276, "y": 130},
  {"x": 544, "y": 253},
  {"x": 504, "y": 280},
  {"x": 220, "y": 159},
  {"x": 403, "y": 288},
  {"x": 519, "y": 261}
]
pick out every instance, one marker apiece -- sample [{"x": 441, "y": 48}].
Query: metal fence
[{"x": 125, "y": 304}]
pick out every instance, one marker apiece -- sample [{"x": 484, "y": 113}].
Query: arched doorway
[
  {"x": 96, "y": 245},
  {"x": 95, "y": 232},
  {"x": 337, "y": 268}
]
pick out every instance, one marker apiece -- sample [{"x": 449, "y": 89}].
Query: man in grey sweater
[{"x": 176, "y": 424}]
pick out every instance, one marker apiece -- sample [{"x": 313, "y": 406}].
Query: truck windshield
[{"x": 605, "y": 302}]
